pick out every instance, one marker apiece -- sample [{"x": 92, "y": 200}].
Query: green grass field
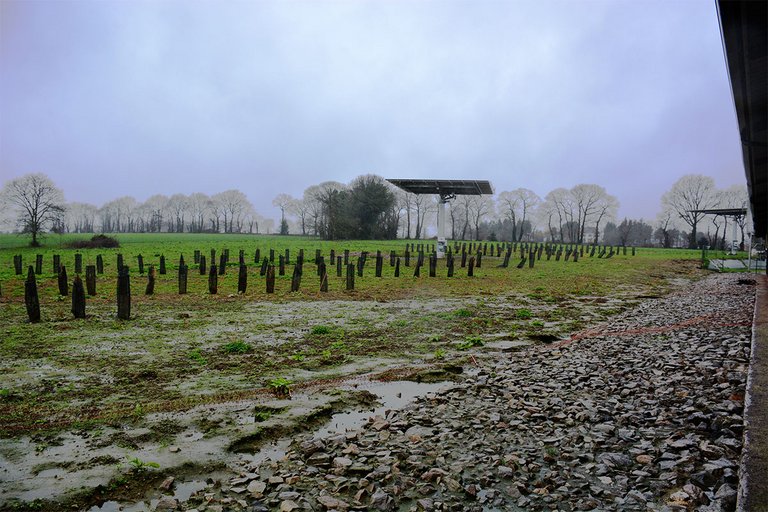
[{"x": 178, "y": 351}]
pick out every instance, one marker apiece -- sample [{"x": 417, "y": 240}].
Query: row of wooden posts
[
  {"x": 268, "y": 269},
  {"x": 527, "y": 251}
]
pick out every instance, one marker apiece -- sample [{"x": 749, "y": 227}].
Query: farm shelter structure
[{"x": 744, "y": 28}]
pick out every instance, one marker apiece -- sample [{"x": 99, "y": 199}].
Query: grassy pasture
[{"x": 179, "y": 351}]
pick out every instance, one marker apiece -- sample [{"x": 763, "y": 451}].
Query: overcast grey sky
[{"x": 113, "y": 98}]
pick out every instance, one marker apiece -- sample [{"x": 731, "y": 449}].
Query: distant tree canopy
[{"x": 365, "y": 210}]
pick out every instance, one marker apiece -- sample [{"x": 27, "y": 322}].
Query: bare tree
[
  {"x": 37, "y": 202},
  {"x": 177, "y": 206},
  {"x": 422, "y": 204},
  {"x": 81, "y": 217},
  {"x": 480, "y": 208},
  {"x": 687, "y": 197},
  {"x": 284, "y": 202},
  {"x": 518, "y": 206},
  {"x": 232, "y": 204},
  {"x": 198, "y": 205}
]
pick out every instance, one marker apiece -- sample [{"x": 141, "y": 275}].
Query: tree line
[{"x": 369, "y": 207}]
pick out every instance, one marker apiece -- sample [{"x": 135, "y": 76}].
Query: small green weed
[
  {"x": 462, "y": 313},
  {"x": 140, "y": 465},
  {"x": 197, "y": 357},
  {"x": 237, "y": 347},
  {"x": 298, "y": 357},
  {"x": 320, "y": 330},
  {"x": 281, "y": 387},
  {"x": 471, "y": 341},
  {"x": 523, "y": 314},
  {"x": 537, "y": 323},
  {"x": 439, "y": 353}
]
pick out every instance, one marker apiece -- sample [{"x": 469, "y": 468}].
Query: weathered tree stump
[
  {"x": 318, "y": 254},
  {"x": 346, "y": 257},
  {"x": 17, "y": 264},
  {"x": 241, "y": 257},
  {"x": 57, "y": 263},
  {"x": 242, "y": 279},
  {"x": 531, "y": 258},
  {"x": 222, "y": 264},
  {"x": 320, "y": 262},
  {"x": 479, "y": 261},
  {"x": 280, "y": 265},
  {"x": 575, "y": 256},
  {"x": 417, "y": 269},
  {"x": 397, "y": 267},
  {"x": 350, "y": 276},
  {"x": 392, "y": 256},
  {"x": 140, "y": 260},
  {"x": 271, "y": 255},
  {"x": 39, "y": 264},
  {"x": 505, "y": 263},
  {"x": 78, "y": 298},
  {"x": 31, "y": 299},
  {"x": 182, "y": 278},
  {"x": 471, "y": 267},
  {"x": 379, "y": 264},
  {"x": 287, "y": 256},
  {"x": 264, "y": 265},
  {"x": 90, "y": 279},
  {"x": 522, "y": 262},
  {"x": 99, "y": 264},
  {"x": 78, "y": 263},
  {"x": 196, "y": 257},
  {"x": 324, "y": 283},
  {"x": 202, "y": 268},
  {"x": 360, "y": 265},
  {"x": 124, "y": 294},
  {"x": 270, "y": 279},
  {"x": 63, "y": 284},
  {"x": 463, "y": 259},
  {"x": 433, "y": 265},
  {"x": 449, "y": 264},
  {"x": 119, "y": 262},
  {"x": 407, "y": 258},
  {"x": 213, "y": 280},
  {"x": 257, "y": 256},
  {"x": 162, "y": 269},
  {"x": 151, "y": 280},
  {"x": 338, "y": 265},
  {"x": 300, "y": 257},
  {"x": 213, "y": 256}
]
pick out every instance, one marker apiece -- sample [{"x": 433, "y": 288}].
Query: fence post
[
  {"x": 123, "y": 294},
  {"x": 31, "y": 299},
  {"x": 90, "y": 279},
  {"x": 78, "y": 298}
]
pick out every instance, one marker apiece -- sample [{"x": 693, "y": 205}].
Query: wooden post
[
  {"x": 151, "y": 280},
  {"x": 332, "y": 257},
  {"x": 633, "y": 250},
  {"x": 379, "y": 264},
  {"x": 319, "y": 263},
  {"x": 463, "y": 259},
  {"x": 39, "y": 264},
  {"x": 271, "y": 279},
  {"x": 397, "y": 267},
  {"x": 119, "y": 262},
  {"x": 417, "y": 269},
  {"x": 407, "y": 258},
  {"x": 271, "y": 255},
  {"x": 78, "y": 298},
  {"x": 202, "y": 265},
  {"x": 575, "y": 256},
  {"x": 281, "y": 265},
  {"x": 63, "y": 285},
  {"x": 296, "y": 278},
  {"x": 242, "y": 279},
  {"x": 318, "y": 253},
  {"x": 360, "y": 265},
  {"x": 257, "y": 256},
  {"x": 531, "y": 258},
  {"x": 162, "y": 265},
  {"x": 479, "y": 261},
  {"x": 57, "y": 264},
  {"x": 222, "y": 263},
  {"x": 287, "y": 256},
  {"x": 140, "y": 259},
  {"x": 346, "y": 256},
  {"x": 78, "y": 263},
  {"x": 350, "y": 276},
  {"x": 338, "y": 266},
  {"x": 17, "y": 264},
  {"x": 392, "y": 256},
  {"x": 182, "y": 278},
  {"x": 31, "y": 300},
  {"x": 264, "y": 265},
  {"x": 522, "y": 262},
  {"x": 324, "y": 283},
  {"x": 213, "y": 256},
  {"x": 449, "y": 264},
  {"x": 197, "y": 257},
  {"x": 432, "y": 265},
  {"x": 471, "y": 267},
  {"x": 241, "y": 257},
  {"x": 99, "y": 264},
  {"x": 300, "y": 257},
  {"x": 124, "y": 294},
  {"x": 90, "y": 279},
  {"x": 213, "y": 280}
]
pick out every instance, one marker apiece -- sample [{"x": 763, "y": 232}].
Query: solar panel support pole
[{"x": 441, "y": 243}]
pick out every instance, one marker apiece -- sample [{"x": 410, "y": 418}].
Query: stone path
[{"x": 642, "y": 413}]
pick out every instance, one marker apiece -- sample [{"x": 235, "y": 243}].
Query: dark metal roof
[
  {"x": 729, "y": 212},
  {"x": 744, "y": 26},
  {"x": 445, "y": 187}
]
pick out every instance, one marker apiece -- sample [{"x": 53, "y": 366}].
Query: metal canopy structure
[
  {"x": 447, "y": 190},
  {"x": 736, "y": 213},
  {"x": 744, "y": 28}
]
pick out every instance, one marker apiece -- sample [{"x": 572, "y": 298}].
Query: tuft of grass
[
  {"x": 470, "y": 342},
  {"x": 319, "y": 330},
  {"x": 523, "y": 314},
  {"x": 462, "y": 313},
  {"x": 281, "y": 387},
  {"x": 140, "y": 465},
  {"x": 197, "y": 357},
  {"x": 237, "y": 347}
]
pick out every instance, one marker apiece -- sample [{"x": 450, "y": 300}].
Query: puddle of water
[
  {"x": 274, "y": 452},
  {"x": 392, "y": 395}
]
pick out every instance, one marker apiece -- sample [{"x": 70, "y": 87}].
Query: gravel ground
[{"x": 642, "y": 413}]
